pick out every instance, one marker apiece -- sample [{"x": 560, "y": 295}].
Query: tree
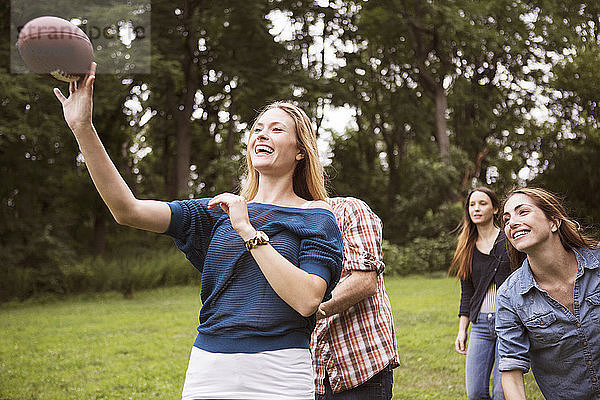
[
  {"x": 214, "y": 65},
  {"x": 567, "y": 156}
]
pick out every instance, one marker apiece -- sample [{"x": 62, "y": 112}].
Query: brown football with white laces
[{"x": 55, "y": 46}]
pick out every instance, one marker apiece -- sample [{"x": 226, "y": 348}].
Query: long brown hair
[
  {"x": 309, "y": 178},
  {"x": 569, "y": 231},
  {"x": 462, "y": 261}
]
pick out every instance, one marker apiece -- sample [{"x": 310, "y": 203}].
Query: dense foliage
[{"x": 445, "y": 94}]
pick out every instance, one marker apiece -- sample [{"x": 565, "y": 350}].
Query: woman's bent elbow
[
  {"x": 306, "y": 296},
  {"x": 122, "y": 219},
  {"x": 126, "y": 217},
  {"x": 311, "y": 302},
  {"x": 308, "y": 309},
  {"x": 143, "y": 214}
]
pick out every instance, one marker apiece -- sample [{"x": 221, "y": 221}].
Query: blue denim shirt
[{"x": 563, "y": 349}]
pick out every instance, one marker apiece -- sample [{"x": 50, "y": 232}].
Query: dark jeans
[{"x": 379, "y": 387}]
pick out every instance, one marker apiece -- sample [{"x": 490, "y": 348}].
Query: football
[{"x": 55, "y": 46}]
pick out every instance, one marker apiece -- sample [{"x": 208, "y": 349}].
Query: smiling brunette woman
[
  {"x": 482, "y": 264},
  {"x": 549, "y": 309},
  {"x": 268, "y": 257}
]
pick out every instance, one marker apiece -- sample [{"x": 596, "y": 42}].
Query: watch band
[{"x": 260, "y": 239}]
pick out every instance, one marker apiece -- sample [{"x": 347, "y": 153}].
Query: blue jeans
[
  {"x": 379, "y": 387},
  {"x": 482, "y": 357}
]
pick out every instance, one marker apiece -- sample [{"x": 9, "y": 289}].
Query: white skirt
[{"x": 277, "y": 375}]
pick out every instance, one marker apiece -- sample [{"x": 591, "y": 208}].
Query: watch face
[{"x": 262, "y": 237}]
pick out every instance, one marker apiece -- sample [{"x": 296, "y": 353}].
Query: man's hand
[{"x": 321, "y": 312}]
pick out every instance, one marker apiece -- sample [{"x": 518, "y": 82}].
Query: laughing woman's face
[
  {"x": 273, "y": 145},
  {"x": 525, "y": 224}
]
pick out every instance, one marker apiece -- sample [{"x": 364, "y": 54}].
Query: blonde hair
[
  {"x": 309, "y": 178},
  {"x": 462, "y": 261},
  {"x": 569, "y": 231}
]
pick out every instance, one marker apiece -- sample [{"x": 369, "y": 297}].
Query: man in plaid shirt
[{"x": 354, "y": 345}]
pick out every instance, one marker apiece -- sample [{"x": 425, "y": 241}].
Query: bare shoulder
[
  {"x": 319, "y": 204},
  {"x": 352, "y": 203}
]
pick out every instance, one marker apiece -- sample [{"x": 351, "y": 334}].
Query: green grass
[
  {"x": 425, "y": 317},
  {"x": 106, "y": 347}
]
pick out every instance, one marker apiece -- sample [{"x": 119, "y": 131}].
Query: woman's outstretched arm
[{"x": 149, "y": 215}]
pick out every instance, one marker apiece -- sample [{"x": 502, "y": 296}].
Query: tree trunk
[
  {"x": 425, "y": 42},
  {"x": 168, "y": 164},
  {"x": 183, "y": 156},
  {"x": 99, "y": 239},
  {"x": 441, "y": 125},
  {"x": 182, "y": 108},
  {"x": 231, "y": 138},
  {"x": 393, "y": 160},
  {"x": 476, "y": 172},
  {"x": 128, "y": 174}
]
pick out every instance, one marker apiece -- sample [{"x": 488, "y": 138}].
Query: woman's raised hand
[
  {"x": 237, "y": 209},
  {"x": 77, "y": 108}
]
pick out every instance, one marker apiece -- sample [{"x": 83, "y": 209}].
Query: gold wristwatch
[{"x": 260, "y": 239}]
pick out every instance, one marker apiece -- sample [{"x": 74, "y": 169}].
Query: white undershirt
[
  {"x": 277, "y": 375},
  {"x": 489, "y": 301}
]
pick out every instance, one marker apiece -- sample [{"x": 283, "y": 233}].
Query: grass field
[{"x": 106, "y": 347}]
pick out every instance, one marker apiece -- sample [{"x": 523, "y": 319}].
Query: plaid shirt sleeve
[{"x": 362, "y": 230}]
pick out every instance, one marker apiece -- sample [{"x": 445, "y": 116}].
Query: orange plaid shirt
[{"x": 356, "y": 344}]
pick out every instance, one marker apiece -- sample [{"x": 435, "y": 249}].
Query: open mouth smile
[
  {"x": 263, "y": 149},
  {"x": 519, "y": 234}
]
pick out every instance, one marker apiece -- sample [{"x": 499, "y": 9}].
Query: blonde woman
[
  {"x": 549, "y": 309},
  {"x": 268, "y": 257},
  {"x": 482, "y": 264}
]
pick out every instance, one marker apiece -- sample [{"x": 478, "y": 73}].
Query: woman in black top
[{"x": 482, "y": 264}]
